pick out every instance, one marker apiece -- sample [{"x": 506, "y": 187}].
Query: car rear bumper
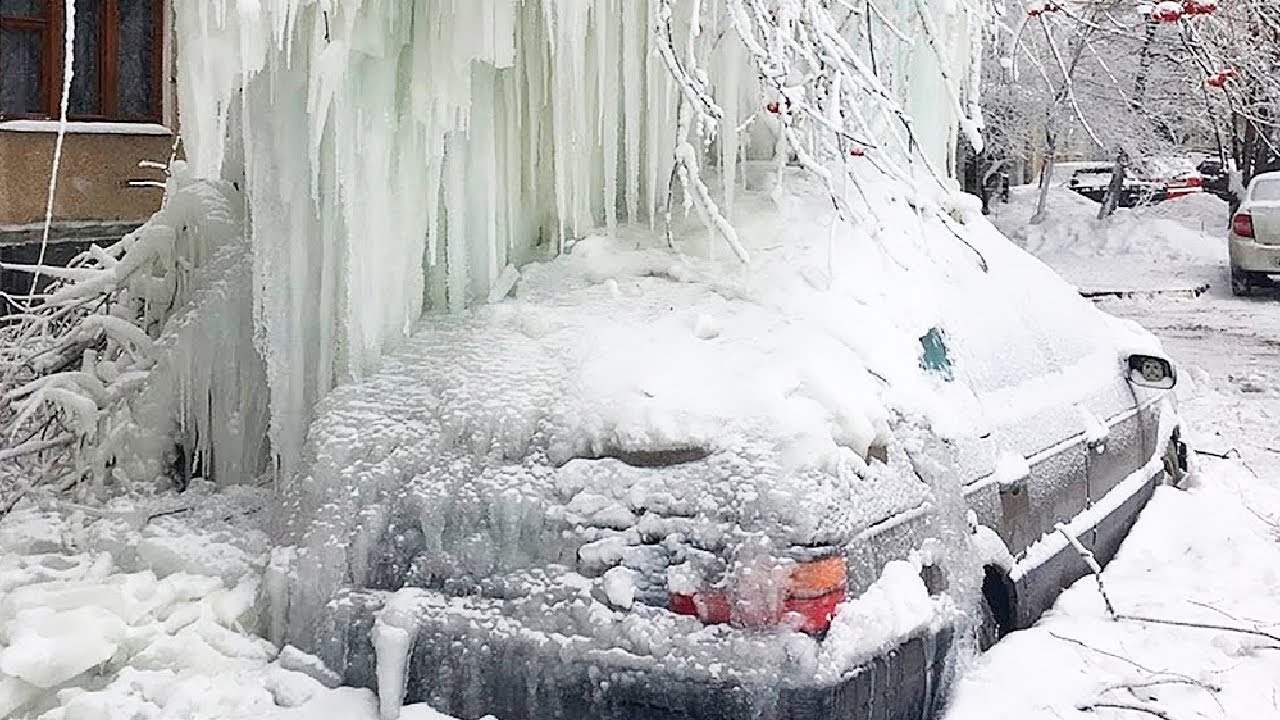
[
  {"x": 1252, "y": 256},
  {"x": 516, "y": 675},
  {"x": 470, "y": 659}
]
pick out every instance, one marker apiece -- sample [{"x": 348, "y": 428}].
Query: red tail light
[
  {"x": 1242, "y": 225},
  {"x": 814, "y": 590}
]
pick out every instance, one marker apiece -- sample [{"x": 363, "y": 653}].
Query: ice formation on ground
[
  {"x": 135, "y": 609},
  {"x": 148, "y": 609}
]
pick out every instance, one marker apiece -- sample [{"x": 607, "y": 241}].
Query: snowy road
[
  {"x": 1208, "y": 557},
  {"x": 1230, "y": 351}
]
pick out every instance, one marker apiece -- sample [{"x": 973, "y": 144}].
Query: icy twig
[
  {"x": 1127, "y": 706},
  {"x": 35, "y": 446},
  {"x": 1202, "y": 626},
  {"x": 1228, "y": 615},
  {"x": 1096, "y": 569},
  {"x": 1157, "y": 682},
  {"x": 1089, "y": 559},
  {"x": 1114, "y": 656}
]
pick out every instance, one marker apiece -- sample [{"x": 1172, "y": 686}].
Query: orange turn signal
[{"x": 818, "y": 578}]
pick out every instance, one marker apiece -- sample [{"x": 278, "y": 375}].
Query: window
[
  {"x": 118, "y": 60},
  {"x": 1266, "y": 191}
]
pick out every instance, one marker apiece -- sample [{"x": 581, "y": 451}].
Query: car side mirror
[{"x": 1152, "y": 372}]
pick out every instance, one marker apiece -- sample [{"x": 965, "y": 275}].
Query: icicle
[
  {"x": 398, "y": 155},
  {"x": 394, "y": 632}
]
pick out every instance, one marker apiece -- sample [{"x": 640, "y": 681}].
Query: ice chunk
[
  {"x": 275, "y": 585},
  {"x": 291, "y": 689},
  {"x": 47, "y": 648},
  {"x": 620, "y": 587},
  {"x": 293, "y": 659},
  {"x": 706, "y": 327},
  {"x": 15, "y": 693}
]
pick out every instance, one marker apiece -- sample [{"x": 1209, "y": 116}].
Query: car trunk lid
[{"x": 1266, "y": 221}]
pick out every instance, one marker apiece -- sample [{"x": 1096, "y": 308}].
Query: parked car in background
[
  {"x": 1254, "y": 237},
  {"x": 1216, "y": 179},
  {"x": 1188, "y": 183},
  {"x": 1093, "y": 181}
]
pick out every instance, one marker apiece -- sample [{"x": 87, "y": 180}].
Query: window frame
[{"x": 50, "y": 26}]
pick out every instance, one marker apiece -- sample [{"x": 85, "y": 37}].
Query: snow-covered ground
[{"x": 1206, "y": 556}]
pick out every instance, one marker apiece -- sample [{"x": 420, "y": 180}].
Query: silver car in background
[{"x": 1254, "y": 237}]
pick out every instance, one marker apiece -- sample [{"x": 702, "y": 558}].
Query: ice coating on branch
[{"x": 401, "y": 156}]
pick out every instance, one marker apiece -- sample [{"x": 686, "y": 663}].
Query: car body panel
[
  {"x": 1259, "y": 254},
  {"x": 1252, "y": 256},
  {"x": 524, "y": 675}
]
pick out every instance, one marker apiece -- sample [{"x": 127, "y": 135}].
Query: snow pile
[
  {"x": 147, "y": 609},
  {"x": 1178, "y": 230},
  {"x": 896, "y": 606},
  {"x": 1158, "y": 246},
  {"x": 1199, "y": 557},
  {"x": 136, "y": 609},
  {"x": 404, "y": 156}
]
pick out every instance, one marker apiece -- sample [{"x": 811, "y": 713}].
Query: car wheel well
[{"x": 1000, "y": 597}]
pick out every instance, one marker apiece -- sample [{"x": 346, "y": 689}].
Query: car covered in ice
[
  {"x": 655, "y": 483},
  {"x": 1253, "y": 241}
]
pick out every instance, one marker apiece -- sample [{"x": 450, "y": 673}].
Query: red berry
[{"x": 772, "y": 107}]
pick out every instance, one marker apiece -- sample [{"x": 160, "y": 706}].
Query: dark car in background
[
  {"x": 1215, "y": 178},
  {"x": 1092, "y": 182}
]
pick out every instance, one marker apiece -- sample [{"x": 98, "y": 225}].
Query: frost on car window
[{"x": 1266, "y": 191}]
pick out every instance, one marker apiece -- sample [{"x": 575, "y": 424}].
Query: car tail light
[
  {"x": 814, "y": 589},
  {"x": 1242, "y": 225}
]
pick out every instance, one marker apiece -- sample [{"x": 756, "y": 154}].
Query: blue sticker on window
[{"x": 935, "y": 359}]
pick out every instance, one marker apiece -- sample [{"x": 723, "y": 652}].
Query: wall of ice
[{"x": 408, "y": 156}]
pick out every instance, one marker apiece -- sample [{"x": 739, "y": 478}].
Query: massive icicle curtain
[{"x": 404, "y": 156}]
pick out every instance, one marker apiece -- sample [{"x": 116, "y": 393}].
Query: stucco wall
[{"x": 92, "y": 185}]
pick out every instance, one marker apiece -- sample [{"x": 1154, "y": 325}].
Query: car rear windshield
[{"x": 1266, "y": 190}]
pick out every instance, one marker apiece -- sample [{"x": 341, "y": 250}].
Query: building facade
[{"x": 120, "y": 110}]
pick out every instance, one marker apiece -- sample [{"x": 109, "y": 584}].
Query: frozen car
[
  {"x": 1254, "y": 238},
  {"x": 655, "y": 484}
]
